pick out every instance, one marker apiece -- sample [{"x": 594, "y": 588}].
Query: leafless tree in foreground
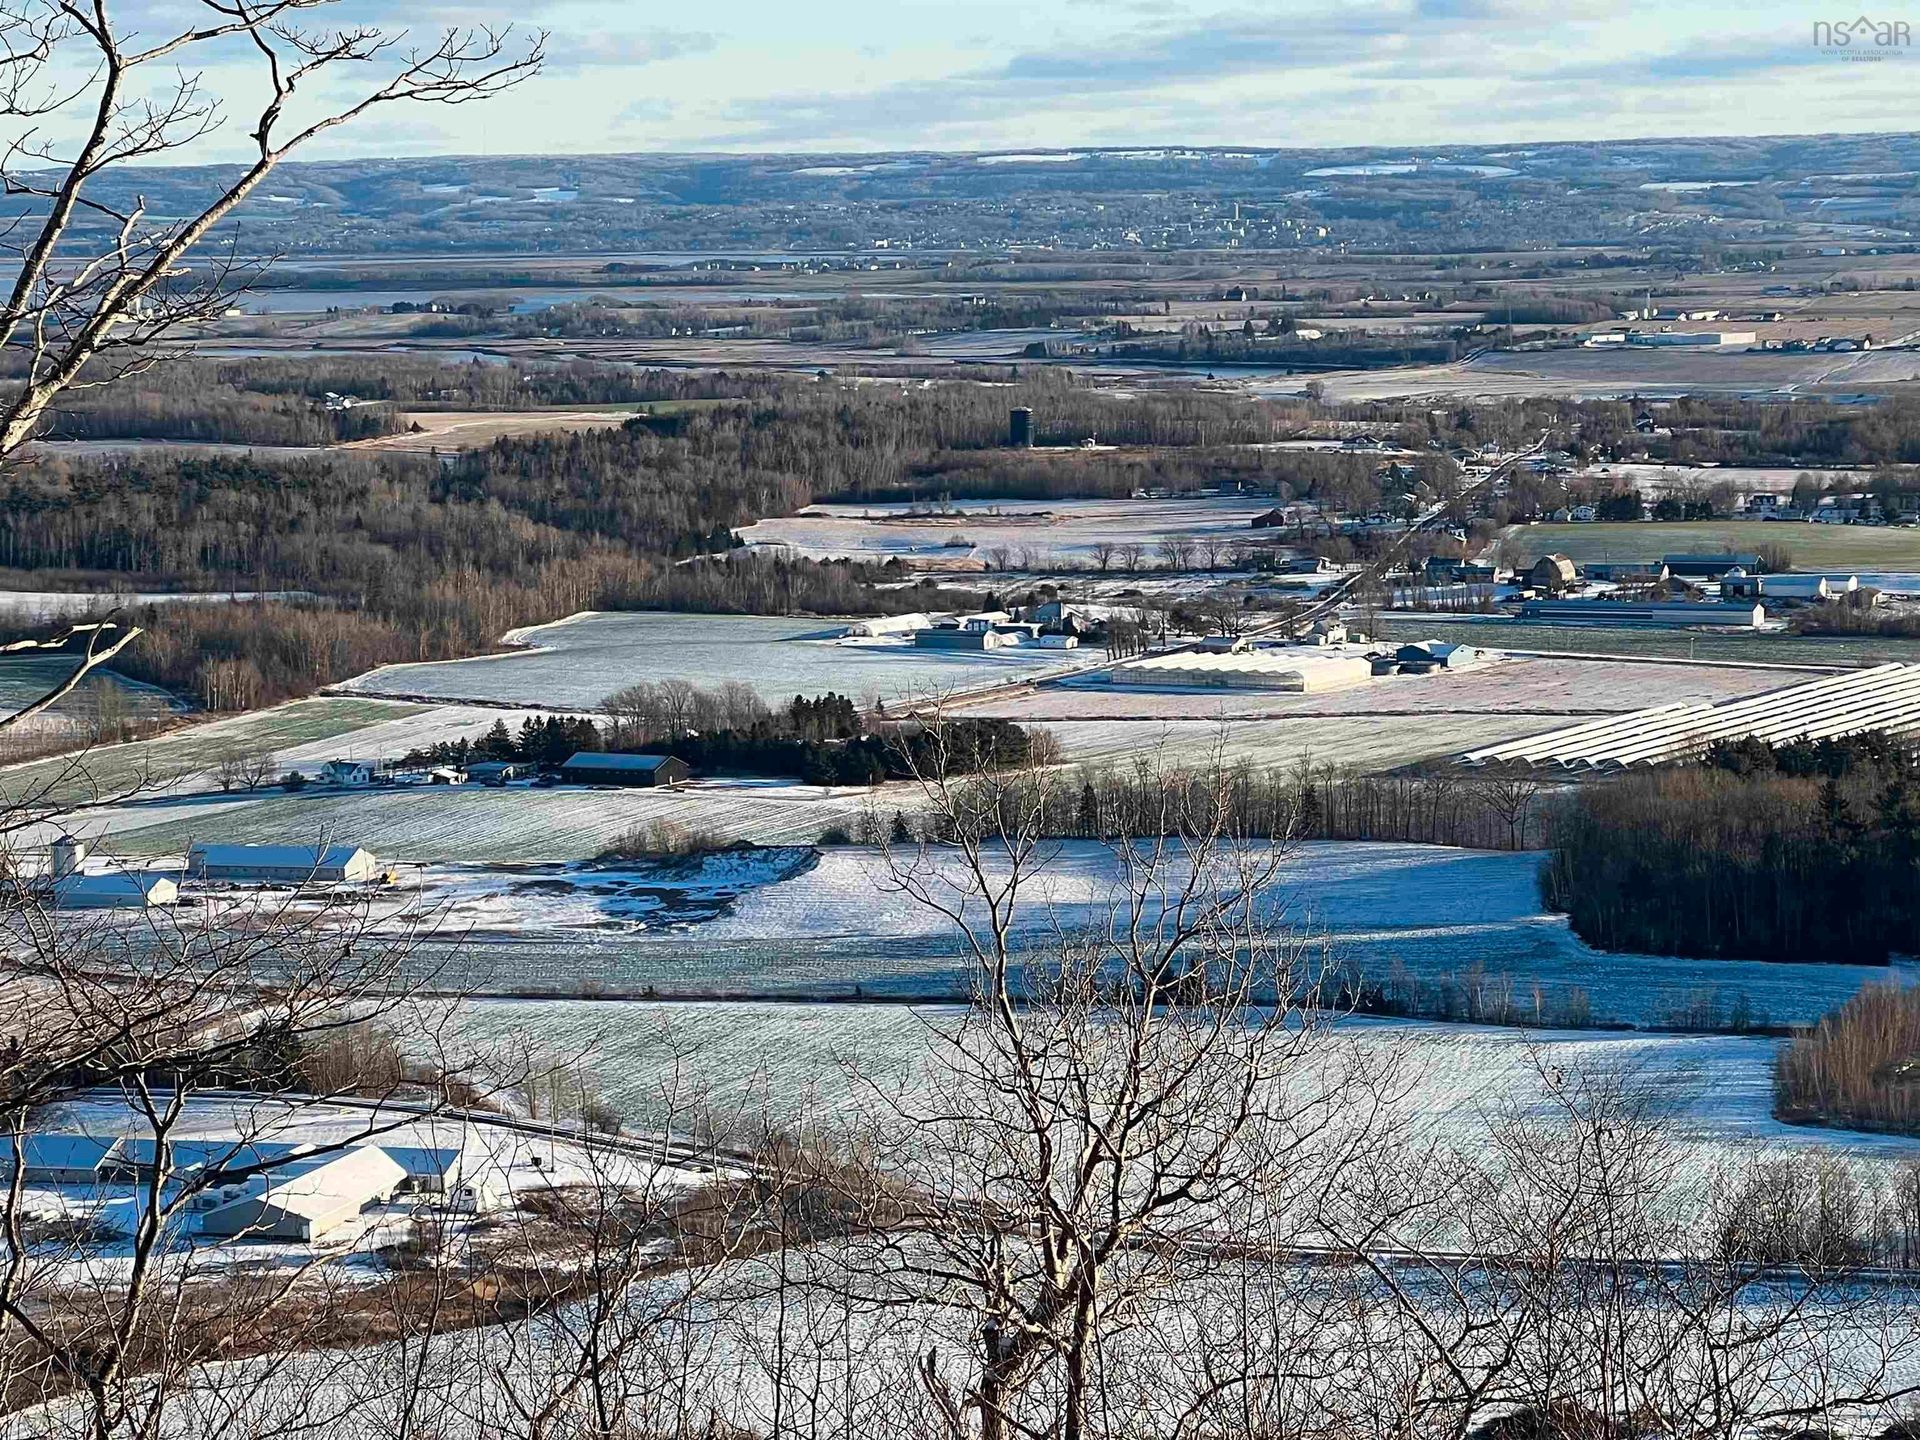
[
  {"x": 1123, "y": 1109},
  {"x": 85, "y": 99}
]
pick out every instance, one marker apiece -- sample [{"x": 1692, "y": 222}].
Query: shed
[
  {"x": 50, "y": 1158},
  {"x": 299, "y": 864},
  {"x": 497, "y": 772},
  {"x": 1424, "y": 655},
  {"x": 113, "y": 890},
  {"x": 431, "y": 1169},
  {"x": 1553, "y": 574},
  {"x": 949, "y": 637},
  {"x": 594, "y": 767},
  {"x": 311, "y": 1203},
  {"x": 1629, "y": 572}
]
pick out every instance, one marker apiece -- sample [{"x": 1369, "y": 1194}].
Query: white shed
[
  {"x": 311, "y": 1203},
  {"x": 294, "y": 863}
]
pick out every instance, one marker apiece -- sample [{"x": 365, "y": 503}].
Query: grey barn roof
[
  {"x": 599, "y": 760},
  {"x": 279, "y": 857}
]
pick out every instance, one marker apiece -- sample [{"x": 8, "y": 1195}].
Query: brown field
[{"x": 469, "y": 429}]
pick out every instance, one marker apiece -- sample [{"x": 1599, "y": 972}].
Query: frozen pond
[{"x": 579, "y": 662}]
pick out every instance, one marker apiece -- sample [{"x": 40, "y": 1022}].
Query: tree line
[{"x": 1792, "y": 852}]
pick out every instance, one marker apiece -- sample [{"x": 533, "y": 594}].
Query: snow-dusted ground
[
  {"x": 580, "y": 661},
  {"x": 484, "y": 823},
  {"x": 799, "y": 1061}
]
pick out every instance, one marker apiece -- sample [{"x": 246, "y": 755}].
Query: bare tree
[
  {"x": 1110, "y": 1108},
  {"x": 103, "y": 282}
]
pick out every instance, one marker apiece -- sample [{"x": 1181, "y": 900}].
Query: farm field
[
  {"x": 1042, "y": 529},
  {"x": 1814, "y": 547},
  {"x": 1835, "y": 651},
  {"x": 117, "y": 769},
  {"x": 1361, "y": 742},
  {"x": 577, "y": 663},
  {"x": 1608, "y": 373},
  {"x": 826, "y": 1062},
  {"x": 479, "y": 823},
  {"x": 425, "y": 430},
  {"x": 1512, "y": 688},
  {"x": 1466, "y": 922}
]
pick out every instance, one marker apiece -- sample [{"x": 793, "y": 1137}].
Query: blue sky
[{"x": 911, "y": 74}]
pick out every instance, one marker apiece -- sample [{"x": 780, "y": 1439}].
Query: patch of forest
[{"x": 1802, "y": 852}]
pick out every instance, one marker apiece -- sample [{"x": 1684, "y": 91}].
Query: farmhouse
[
  {"x": 1426, "y": 655},
  {"x": 311, "y": 1203},
  {"x": 346, "y": 772},
  {"x": 589, "y": 767},
  {"x": 298, "y": 864}
]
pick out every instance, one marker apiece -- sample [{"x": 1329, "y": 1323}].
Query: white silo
[{"x": 67, "y": 855}]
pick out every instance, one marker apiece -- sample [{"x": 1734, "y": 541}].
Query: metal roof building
[
  {"x": 1885, "y": 697},
  {"x": 1669, "y": 614},
  {"x": 1303, "y": 671},
  {"x": 595, "y": 767},
  {"x": 113, "y": 890},
  {"x": 309, "y": 1204},
  {"x": 295, "y": 863},
  {"x": 50, "y": 1158}
]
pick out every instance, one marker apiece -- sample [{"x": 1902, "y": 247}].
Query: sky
[{"x": 829, "y": 76}]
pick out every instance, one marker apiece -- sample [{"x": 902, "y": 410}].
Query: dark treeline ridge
[
  {"x": 1795, "y": 852},
  {"x": 1477, "y": 810},
  {"x": 271, "y": 401}
]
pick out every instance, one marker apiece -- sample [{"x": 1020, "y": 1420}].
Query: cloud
[{"x": 573, "y": 52}]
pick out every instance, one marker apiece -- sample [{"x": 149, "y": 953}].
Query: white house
[{"x": 346, "y": 772}]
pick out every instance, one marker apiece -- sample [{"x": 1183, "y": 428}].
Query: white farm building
[
  {"x": 1298, "y": 671},
  {"x": 113, "y": 890},
  {"x": 295, "y": 864},
  {"x": 309, "y": 1204}
]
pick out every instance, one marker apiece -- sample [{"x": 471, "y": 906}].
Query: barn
[
  {"x": 296, "y": 864},
  {"x": 113, "y": 890},
  {"x": 310, "y": 1203},
  {"x": 590, "y": 767},
  {"x": 49, "y": 1158}
]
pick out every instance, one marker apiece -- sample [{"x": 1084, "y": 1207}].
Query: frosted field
[
  {"x": 842, "y": 928},
  {"x": 1057, "y": 528},
  {"x": 1740, "y": 647},
  {"x": 165, "y": 762},
  {"x": 795, "y": 1062},
  {"x": 577, "y": 663},
  {"x": 481, "y": 823},
  {"x": 1512, "y": 688}
]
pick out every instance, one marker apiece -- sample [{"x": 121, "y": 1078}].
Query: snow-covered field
[
  {"x": 580, "y": 661},
  {"x": 1458, "y": 928},
  {"x": 1515, "y": 689},
  {"x": 1042, "y": 529},
  {"x": 797, "y": 1061},
  {"x": 481, "y": 823}
]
